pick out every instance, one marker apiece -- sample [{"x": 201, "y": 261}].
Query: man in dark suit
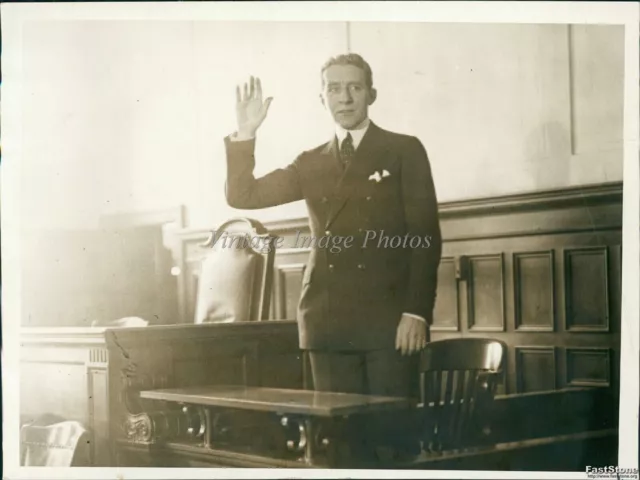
[{"x": 366, "y": 308}]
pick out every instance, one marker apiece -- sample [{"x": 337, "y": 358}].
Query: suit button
[
  {"x": 324, "y": 200},
  {"x": 327, "y": 233},
  {"x": 368, "y": 198},
  {"x": 331, "y": 268},
  {"x": 361, "y": 266}
]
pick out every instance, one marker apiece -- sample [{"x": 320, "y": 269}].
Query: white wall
[
  {"x": 502, "y": 108},
  {"x": 122, "y": 116}
]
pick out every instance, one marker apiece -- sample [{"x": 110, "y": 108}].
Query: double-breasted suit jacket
[{"x": 353, "y": 299}]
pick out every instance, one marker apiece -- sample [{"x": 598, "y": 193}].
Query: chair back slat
[
  {"x": 458, "y": 379},
  {"x": 448, "y": 392},
  {"x": 458, "y": 406}
]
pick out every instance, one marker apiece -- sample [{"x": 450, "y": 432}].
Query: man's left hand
[{"x": 411, "y": 336}]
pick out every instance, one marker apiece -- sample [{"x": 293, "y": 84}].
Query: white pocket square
[
  {"x": 378, "y": 177},
  {"x": 375, "y": 176}
]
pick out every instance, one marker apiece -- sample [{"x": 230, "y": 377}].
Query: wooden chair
[
  {"x": 236, "y": 274},
  {"x": 51, "y": 441},
  {"x": 457, "y": 382}
]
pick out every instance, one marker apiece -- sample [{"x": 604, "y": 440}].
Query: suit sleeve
[
  {"x": 421, "y": 217},
  {"x": 244, "y": 191}
]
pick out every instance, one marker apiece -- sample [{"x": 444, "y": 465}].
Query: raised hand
[{"x": 250, "y": 109}]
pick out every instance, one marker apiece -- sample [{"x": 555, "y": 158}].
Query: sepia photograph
[{"x": 276, "y": 237}]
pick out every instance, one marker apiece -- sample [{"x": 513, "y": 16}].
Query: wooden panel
[
  {"x": 586, "y": 289},
  {"x": 281, "y": 370},
  {"x": 615, "y": 287},
  {"x": 191, "y": 282},
  {"x": 539, "y": 414},
  {"x": 63, "y": 372},
  {"x": 486, "y": 287},
  {"x": 289, "y": 289},
  {"x": 99, "y": 417},
  {"x": 534, "y": 291},
  {"x": 588, "y": 367},
  {"x": 535, "y": 369},
  {"x": 214, "y": 363},
  {"x": 445, "y": 316}
]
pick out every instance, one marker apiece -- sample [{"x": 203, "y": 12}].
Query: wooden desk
[
  {"x": 304, "y": 407},
  {"x": 279, "y": 400},
  {"x": 548, "y": 431}
]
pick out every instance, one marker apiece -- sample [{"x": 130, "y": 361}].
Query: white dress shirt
[{"x": 356, "y": 134}]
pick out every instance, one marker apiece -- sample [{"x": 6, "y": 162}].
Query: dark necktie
[{"x": 346, "y": 150}]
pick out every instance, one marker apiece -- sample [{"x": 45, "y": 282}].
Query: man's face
[{"x": 346, "y": 95}]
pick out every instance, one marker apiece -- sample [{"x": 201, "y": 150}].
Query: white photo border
[{"x": 14, "y": 15}]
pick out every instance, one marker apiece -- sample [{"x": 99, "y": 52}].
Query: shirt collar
[{"x": 357, "y": 133}]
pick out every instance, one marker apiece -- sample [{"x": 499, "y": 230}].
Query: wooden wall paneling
[
  {"x": 280, "y": 362},
  {"x": 503, "y": 386},
  {"x": 535, "y": 235},
  {"x": 463, "y": 306},
  {"x": 99, "y": 416},
  {"x": 541, "y": 414},
  {"x": 534, "y": 291},
  {"x": 98, "y": 396},
  {"x": 535, "y": 368},
  {"x": 289, "y": 288},
  {"x": 210, "y": 362},
  {"x": 509, "y": 282},
  {"x": 486, "y": 293},
  {"x": 589, "y": 367},
  {"x": 615, "y": 287},
  {"x": 63, "y": 371},
  {"x": 446, "y": 316},
  {"x": 289, "y": 267},
  {"x": 587, "y": 289}
]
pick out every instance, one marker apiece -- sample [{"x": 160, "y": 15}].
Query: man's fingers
[
  {"x": 404, "y": 338},
  {"x": 259, "y": 90},
  {"x": 252, "y": 86},
  {"x": 413, "y": 343},
  {"x": 266, "y": 105},
  {"x": 238, "y": 95},
  {"x": 246, "y": 92},
  {"x": 406, "y": 347}
]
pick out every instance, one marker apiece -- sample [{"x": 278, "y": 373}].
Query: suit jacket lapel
[
  {"x": 359, "y": 166},
  {"x": 332, "y": 150}
]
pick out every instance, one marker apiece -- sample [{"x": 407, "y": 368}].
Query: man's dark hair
[{"x": 351, "y": 59}]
